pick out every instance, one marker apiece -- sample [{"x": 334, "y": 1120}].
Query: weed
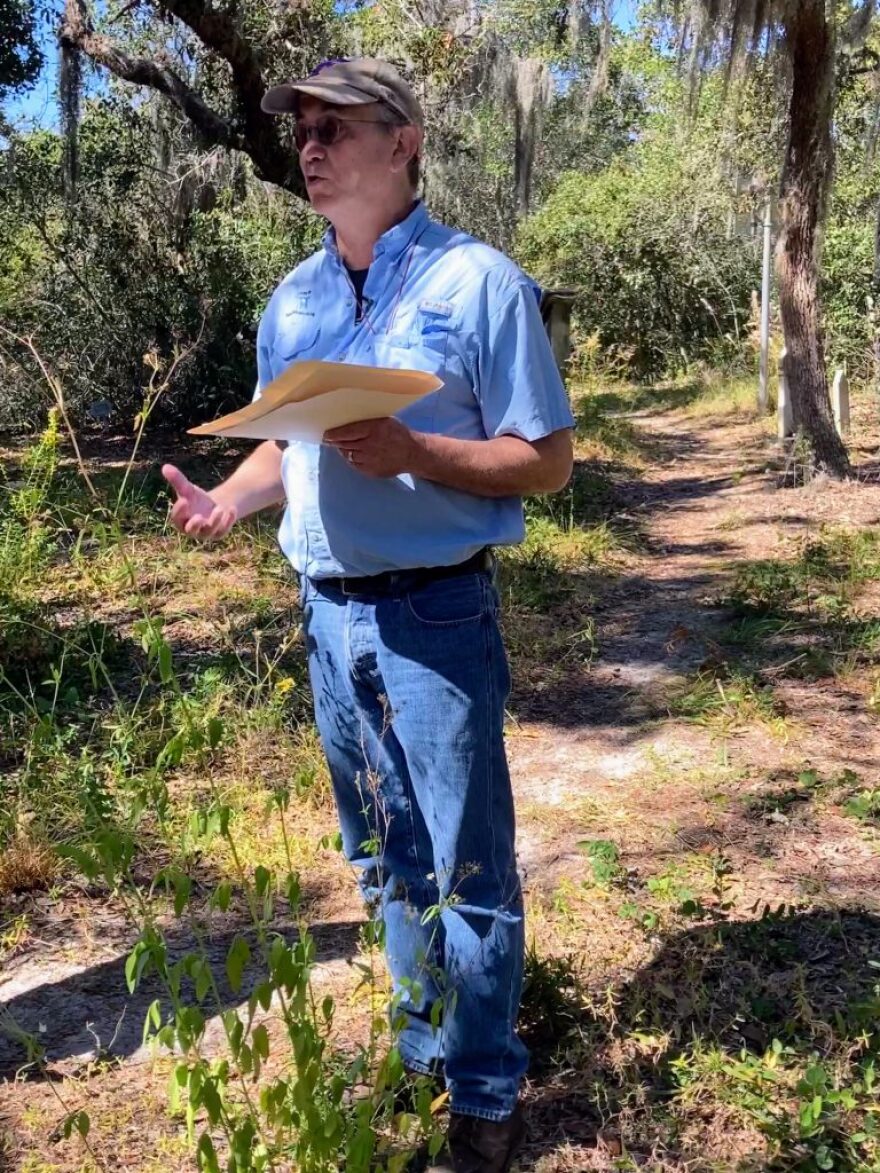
[
  {"x": 604, "y": 858},
  {"x": 865, "y": 807},
  {"x": 821, "y": 580},
  {"x": 781, "y": 800},
  {"x": 552, "y": 1001},
  {"x": 727, "y": 698}
]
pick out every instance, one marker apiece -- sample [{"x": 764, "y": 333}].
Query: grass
[
  {"x": 701, "y": 394},
  {"x": 27, "y": 864},
  {"x": 798, "y": 617},
  {"x": 726, "y": 699}
]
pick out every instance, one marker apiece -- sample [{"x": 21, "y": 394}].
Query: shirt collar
[{"x": 391, "y": 243}]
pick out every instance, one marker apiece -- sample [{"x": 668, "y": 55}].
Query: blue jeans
[{"x": 409, "y": 693}]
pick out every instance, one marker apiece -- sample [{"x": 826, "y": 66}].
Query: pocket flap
[{"x": 295, "y": 338}]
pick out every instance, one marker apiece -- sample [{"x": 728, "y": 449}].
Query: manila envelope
[{"x": 308, "y": 398}]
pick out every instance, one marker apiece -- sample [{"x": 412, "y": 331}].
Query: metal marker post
[{"x": 763, "y": 397}]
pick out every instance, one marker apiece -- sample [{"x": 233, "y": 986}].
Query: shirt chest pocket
[
  {"x": 434, "y": 329},
  {"x": 428, "y": 341},
  {"x": 295, "y": 343}
]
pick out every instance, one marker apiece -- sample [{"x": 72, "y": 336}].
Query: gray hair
[{"x": 414, "y": 166}]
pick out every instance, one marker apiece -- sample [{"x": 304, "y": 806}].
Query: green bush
[
  {"x": 847, "y": 268},
  {"x": 657, "y": 279},
  {"x": 175, "y": 257}
]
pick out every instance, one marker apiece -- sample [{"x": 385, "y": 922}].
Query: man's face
[{"x": 360, "y": 167}]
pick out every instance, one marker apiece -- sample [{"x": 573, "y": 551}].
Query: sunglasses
[{"x": 327, "y": 130}]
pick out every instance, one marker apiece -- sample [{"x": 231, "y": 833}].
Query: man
[{"x": 390, "y": 523}]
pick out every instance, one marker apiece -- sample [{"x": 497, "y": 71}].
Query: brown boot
[{"x": 474, "y": 1145}]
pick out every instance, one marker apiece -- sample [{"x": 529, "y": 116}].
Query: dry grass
[{"x": 27, "y": 865}]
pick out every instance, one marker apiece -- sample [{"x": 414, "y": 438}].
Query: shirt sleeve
[
  {"x": 518, "y": 385},
  {"x": 264, "y": 370}
]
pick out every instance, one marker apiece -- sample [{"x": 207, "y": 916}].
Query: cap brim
[{"x": 284, "y": 99}]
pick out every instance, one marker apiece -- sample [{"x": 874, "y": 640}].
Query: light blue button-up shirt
[{"x": 436, "y": 300}]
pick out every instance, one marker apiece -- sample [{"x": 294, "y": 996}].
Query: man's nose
[{"x": 312, "y": 150}]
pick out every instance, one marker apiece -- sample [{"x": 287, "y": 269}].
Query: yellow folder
[{"x": 309, "y": 398}]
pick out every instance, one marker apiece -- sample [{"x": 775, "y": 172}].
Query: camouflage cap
[{"x": 349, "y": 81}]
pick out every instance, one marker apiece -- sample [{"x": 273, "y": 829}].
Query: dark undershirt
[{"x": 358, "y": 279}]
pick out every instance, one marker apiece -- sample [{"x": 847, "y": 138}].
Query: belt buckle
[{"x": 347, "y": 587}]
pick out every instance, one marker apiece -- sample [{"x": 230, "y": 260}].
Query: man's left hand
[{"x": 377, "y": 448}]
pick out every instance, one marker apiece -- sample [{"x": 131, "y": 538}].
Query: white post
[
  {"x": 840, "y": 401},
  {"x": 784, "y": 415},
  {"x": 763, "y": 398}
]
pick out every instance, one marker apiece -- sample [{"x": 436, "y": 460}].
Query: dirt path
[
  {"x": 708, "y": 502},
  {"x": 605, "y": 761}
]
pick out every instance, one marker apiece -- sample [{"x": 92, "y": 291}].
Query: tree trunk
[
  {"x": 806, "y": 177},
  {"x": 874, "y": 313}
]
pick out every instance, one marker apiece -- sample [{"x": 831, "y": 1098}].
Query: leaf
[
  {"x": 236, "y": 959},
  {"x": 172, "y": 752},
  {"x": 153, "y": 1019},
  {"x": 135, "y": 964},
  {"x": 86, "y": 862},
  {"x": 222, "y": 895},
  {"x": 216, "y": 729},
  {"x": 203, "y": 979},
  {"x": 262, "y": 877},
  {"x": 166, "y": 668},
  {"x": 260, "y": 1041},
  {"x": 79, "y": 1122},
  {"x": 293, "y": 890},
  {"x": 207, "y": 1155},
  {"x": 182, "y": 885},
  {"x": 439, "y": 1102}
]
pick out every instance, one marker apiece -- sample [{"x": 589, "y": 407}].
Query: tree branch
[{"x": 257, "y": 136}]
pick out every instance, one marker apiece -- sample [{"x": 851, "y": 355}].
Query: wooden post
[
  {"x": 840, "y": 401},
  {"x": 784, "y": 414},
  {"x": 556, "y": 313}
]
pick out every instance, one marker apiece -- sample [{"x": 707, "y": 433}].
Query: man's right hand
[{"x": 196, "y": 512}]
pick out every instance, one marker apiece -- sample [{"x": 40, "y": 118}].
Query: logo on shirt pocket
[{"x": 300, "y": 304}]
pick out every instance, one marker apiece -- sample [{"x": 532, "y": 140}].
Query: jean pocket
[{"x": 449, "y": 602}]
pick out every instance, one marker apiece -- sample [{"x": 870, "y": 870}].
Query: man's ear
[{"x": 408, "y": 145}]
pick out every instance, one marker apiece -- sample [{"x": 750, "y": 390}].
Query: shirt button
[{"x": 349, "y": 301}]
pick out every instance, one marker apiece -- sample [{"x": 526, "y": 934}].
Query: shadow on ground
[
  {"x": 728, "y": 989},
  {"x": 73, "y": 1015}
]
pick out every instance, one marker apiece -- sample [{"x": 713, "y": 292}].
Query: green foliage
[
  {"x": 847, "y": 274},
  {"x": 645, "y": 243},
  {"x": 604, "y": 858},
  {"x": 91, "y": 774},
  {"x": 20, "y": 53},
  {"x": 728, "y": 697},
  {"x": 170, "y": 259},
  {"x": 823, "y": 578}
]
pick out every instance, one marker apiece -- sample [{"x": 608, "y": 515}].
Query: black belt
[{"x": 391, "y": 582}]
